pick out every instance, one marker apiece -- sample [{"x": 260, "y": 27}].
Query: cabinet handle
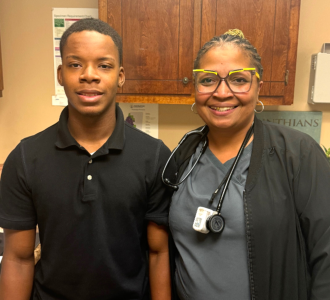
[
  {"x": 185, "y": 80},
  {"x": 286, "y": 77}
]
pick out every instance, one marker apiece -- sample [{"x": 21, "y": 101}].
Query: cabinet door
[
  {"x": 157, "y": 43},
  {"x": 272, "y": 27},
  {"x": 161, "y": 39}
]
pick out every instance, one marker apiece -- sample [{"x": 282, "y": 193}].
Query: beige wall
[{"x": 26, "y": 38}]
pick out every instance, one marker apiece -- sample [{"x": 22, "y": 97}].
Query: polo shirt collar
[{"x": 116, "y": 140}]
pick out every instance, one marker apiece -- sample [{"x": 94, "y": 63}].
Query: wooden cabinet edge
[
  {"x": 292, "y": 51},
  {"x": 103, "y": 10},
  {"x": 1, "y": 73},
  {"x": 156, "y": 99}
]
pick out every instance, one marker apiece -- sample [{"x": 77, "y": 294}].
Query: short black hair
[{"x": 91, "y": 24}]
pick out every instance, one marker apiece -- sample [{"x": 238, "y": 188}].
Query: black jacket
[{"x": 287, "y": 214}]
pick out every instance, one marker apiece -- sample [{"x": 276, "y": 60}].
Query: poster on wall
[
  {"x": 306, "y": 121},
  {"x": 62, "y": 19},
  {"x": 142, "y": 116}
]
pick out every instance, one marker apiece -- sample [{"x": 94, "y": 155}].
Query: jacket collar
[{"x": 257, "y": 154}]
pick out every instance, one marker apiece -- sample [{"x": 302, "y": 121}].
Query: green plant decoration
[{"x": 327, "y": 152}]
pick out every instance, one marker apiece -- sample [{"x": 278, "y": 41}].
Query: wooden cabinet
[
  {"x": 1, "y": 77},
  {"x": 272, "y": 27},
  {"x": 158, "y": 52},
  {"x": 161, "y": 38}
]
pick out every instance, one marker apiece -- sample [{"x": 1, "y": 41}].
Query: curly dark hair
[{"x": 91, "y": 24}]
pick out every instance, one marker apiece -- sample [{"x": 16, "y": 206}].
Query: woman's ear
[{"x": 260, "y": 84}]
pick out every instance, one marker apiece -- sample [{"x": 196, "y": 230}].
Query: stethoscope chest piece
[{"x": 215, "y": 223}]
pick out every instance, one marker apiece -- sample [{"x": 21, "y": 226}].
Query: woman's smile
[{"x": 222, "y": 109}]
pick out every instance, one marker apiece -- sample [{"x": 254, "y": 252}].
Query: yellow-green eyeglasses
[{"x": 238, "y": 81}]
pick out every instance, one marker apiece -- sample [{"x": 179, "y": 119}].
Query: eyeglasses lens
[{"x": 239, "y": 82}]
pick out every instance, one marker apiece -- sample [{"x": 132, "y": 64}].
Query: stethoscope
[
  {"x": 202, "y": 132},
  {"x": 216, "y": 222}
]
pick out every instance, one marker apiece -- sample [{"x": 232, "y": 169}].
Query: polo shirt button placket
[
  {"x": 90, "y": 190},
  {"x": 90, "y": 177}
]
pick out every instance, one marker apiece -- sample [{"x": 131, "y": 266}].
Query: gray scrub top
[{"x": 211, "y": 266}]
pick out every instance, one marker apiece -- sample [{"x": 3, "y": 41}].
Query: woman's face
[{"x": 224, "y": 109}]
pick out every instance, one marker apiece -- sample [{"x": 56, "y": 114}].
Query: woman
[{"x": 252, "y": 218}]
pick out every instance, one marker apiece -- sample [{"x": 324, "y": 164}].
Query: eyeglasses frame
[{"x": 253, "y": 72}]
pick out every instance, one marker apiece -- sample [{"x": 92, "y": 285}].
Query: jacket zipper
[{"x": 248, "y": 240}]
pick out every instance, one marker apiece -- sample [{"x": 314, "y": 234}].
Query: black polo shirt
[{"x": 92, "y": 210}]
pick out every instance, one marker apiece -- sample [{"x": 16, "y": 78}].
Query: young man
[{"x": 92, "y": 184}]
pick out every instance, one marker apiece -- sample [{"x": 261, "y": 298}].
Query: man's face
[{"x": 90, "y": 73}]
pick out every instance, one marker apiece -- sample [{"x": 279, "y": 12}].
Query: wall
[{"x": 26, "y": 38}]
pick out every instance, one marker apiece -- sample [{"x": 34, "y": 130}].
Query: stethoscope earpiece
[{"x": 168, "y": 182}]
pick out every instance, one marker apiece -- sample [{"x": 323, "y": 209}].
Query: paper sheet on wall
[
  {"x": 62, "y": 19},
  {"x": 142, "y": 116}
]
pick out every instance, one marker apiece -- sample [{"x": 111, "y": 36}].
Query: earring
[
  {"x": 192, "y": 108},
  {"x": 263, "y": 107}
]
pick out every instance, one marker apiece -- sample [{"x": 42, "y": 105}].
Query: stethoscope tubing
[
  {"x": 232, "y": 169},
  {"x": 226, "y": 179},
  {"x": 215, "y": 219},
  {"x": 166, "y": 181}
]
